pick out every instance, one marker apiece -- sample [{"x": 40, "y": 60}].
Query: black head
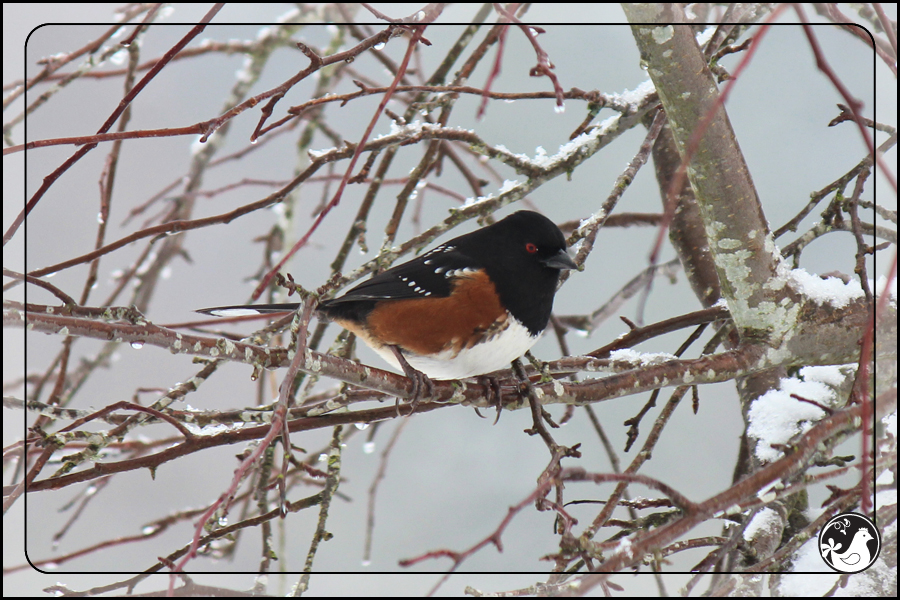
[
  {"x": 522, "y": 237},
  {"x": 524, "y": 254}
]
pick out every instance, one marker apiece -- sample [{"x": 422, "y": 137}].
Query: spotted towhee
[{"x": 468, "y": 307}]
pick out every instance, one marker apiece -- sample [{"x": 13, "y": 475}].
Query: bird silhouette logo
[{"x": 849, "y": 543}]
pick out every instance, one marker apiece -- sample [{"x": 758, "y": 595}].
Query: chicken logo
[{"x": 849, "y": 543}]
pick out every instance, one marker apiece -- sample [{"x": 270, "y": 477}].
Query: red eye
[{"x": 530, "y": 248}]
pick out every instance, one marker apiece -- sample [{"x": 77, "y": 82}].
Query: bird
[
  {"x": 856, "y": 556},
  {"x": 468, "y": 307}
]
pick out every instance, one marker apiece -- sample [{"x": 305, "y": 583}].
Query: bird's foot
[{"x": 420, "y": 382}]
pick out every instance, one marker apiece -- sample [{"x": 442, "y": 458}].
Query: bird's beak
[{"x": 561, "y": 260}]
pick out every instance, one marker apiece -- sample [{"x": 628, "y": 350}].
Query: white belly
[{"x": 495, "y": 354}]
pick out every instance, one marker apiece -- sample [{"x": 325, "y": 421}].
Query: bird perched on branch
[{"x": 468, "y": 307}]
